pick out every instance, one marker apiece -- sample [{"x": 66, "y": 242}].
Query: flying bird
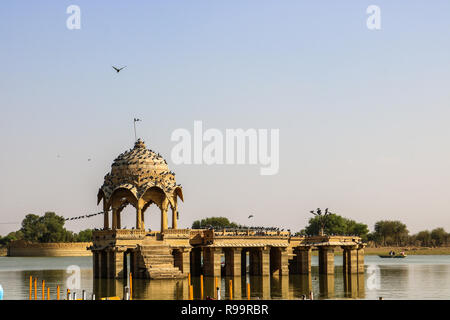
[
  {"x": 250, "y": 216},
  {"x": 118, "y": 69}
]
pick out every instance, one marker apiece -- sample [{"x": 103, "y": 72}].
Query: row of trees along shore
[
  {"x": 386, "y": 232},
  {"x": 50, "y": 228},
  {"x": 45, "y": 229}
]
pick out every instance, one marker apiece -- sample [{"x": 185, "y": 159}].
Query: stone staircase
[{"x": 156, "y": 262}]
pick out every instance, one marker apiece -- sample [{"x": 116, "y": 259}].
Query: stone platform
[{"x": 174, "y": 253}]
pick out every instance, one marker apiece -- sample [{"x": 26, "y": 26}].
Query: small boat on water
[{"x": 394, "y": 256}]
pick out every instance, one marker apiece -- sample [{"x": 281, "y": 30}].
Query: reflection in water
[
  {"x": 426, "y": 277},
  {"x": 143, "y": 289},
  {"x": 354, "y": 286},
  {"x": 279, "y": 288},
  {"x": 326, "y": 285}
]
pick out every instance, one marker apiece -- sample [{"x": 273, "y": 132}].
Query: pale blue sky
[{"x": 363, "y": 115}]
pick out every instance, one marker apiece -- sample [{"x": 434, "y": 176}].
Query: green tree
[
  {"x": 391, "y": 232},
  {"x": 54, "y": 230},
  {"x": 439, "y": 236},
  {"x": 424, "y": 237},
  {"x": 336, "y": 224},
  {"x": 31, "y": 229},
  {"x": 215, "y": 222},
  {"x": 47, "y": 228},
  {"x": 84, "y": 236},
  {"x": 12, "y": 236}
]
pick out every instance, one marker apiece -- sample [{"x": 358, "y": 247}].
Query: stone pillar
[
  {"x": 326, "y": 260},
  {"x": 105, "y": 216},
  {"x": 255, "y": 262},
  {"x": 361, "y": 285},
  {"x": 284, "y": 271},
  {"x": 125, "y": 266},
  {"x": 344, "y": 260},
  {"x": 285, "y": 288},
  {"x": 196, "y": 261},
  {"x": 360, "y": 259},
  {"x": 275, "y": 261},
  {"x": 326, "y": 285},
  {"x": 260, "y": 261},
  {"x": 110, "y": 264},
  {"x": 174, "y": 217},
  {"x": 186, "y": 263},
  {"x": 279, "y": 264},
  {"x": 116, "y": 264},
  {"x": 182, "y": 260},
  {"x": 139, "y": 215},
  {"x": 233, "y": 262},
  {"x": 265, "y": 261},
  {"x": 164, "y": 207},
  {"x": 211, "y": 261},
  {"x": 237, "y": 287},
  {"x": 103, "y": 264},
  {"x": 114, "y": 218},
  {"x": 351, "y": 285},
  {"x": 134, "y": 264},
  {"x": 119, "y": 221},
  {"x": 306, "y": 284},
  {"x": 303, "y": 260},
  {"x": 95, "y": 264},
  {"x": 350, "y": 260},
  {"x": 266, "y": 294}
]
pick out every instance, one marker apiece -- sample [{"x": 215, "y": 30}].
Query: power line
[{"x": 86, "y": 216}]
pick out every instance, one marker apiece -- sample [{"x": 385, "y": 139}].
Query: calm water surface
[{"x": 415, "y": 277}]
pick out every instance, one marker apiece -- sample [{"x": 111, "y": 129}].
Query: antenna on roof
[{"x": 135, "y": 135}]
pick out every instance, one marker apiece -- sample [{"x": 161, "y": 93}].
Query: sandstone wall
[{"x": 26, "y": 249}]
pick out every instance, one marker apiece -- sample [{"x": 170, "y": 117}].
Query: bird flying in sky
[
  {"x": 118, "y": 69},
  {"x": 250, "y": 216}
]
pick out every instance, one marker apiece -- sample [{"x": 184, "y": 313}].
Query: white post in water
[
  {"x": 83, "y": 295},
  {"x": 74, "y": 296},
  {"x": 218, "y": 293},
  {"x": 93, "y": 296},
  {"x": 126, "y": 293}
]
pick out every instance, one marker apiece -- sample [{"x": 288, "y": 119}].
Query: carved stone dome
[{"x": 138, "y": 170}]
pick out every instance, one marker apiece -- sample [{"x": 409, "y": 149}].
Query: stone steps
[{"x": 156, "y": 262}]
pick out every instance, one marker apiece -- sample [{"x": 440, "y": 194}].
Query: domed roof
[{"x": 137, "y": 170}]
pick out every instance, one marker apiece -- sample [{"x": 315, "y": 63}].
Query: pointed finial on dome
[{"x": 139, "y": 144}]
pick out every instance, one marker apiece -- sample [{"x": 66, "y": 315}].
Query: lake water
[{"x": 415, "y": 277}]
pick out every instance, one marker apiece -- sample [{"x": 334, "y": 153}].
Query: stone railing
[
  {"x": 326, "y": 240},
  {"x": 251, "y": 233},
  {"x": 22, "y": 248},
  {"x": 176, "y": 233},
  {"x": 121, "y": 234}
]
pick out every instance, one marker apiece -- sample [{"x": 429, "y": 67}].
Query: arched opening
[
  {"x": 151, "y": 217},
  {"x": 120, "y": 199},
  {"x": 157, "y": 196}
]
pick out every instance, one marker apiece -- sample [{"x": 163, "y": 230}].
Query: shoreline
[
  {"x": 409, "y": 251},
  {"x": 367, "y": 251}
]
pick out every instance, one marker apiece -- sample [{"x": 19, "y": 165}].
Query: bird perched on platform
[{"x": 118, "y": 69}]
